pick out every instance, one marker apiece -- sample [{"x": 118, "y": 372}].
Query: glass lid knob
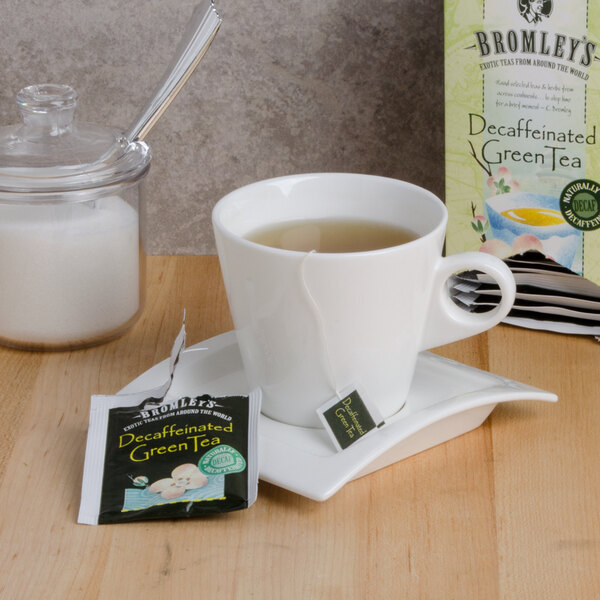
[{"x": 47, "y": 109}]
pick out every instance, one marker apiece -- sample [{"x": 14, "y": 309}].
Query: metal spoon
[{"x": 199, "y": 34}]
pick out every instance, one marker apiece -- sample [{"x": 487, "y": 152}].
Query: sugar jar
[{"x": 71, "y": 256}]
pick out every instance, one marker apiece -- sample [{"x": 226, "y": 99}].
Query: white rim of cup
[{"x": 221, "y": 205}]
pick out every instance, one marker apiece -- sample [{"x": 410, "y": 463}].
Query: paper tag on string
[{"x": 349, "y": 417}]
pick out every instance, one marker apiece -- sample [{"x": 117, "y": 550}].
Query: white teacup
[{"x": 312, "y": 324}]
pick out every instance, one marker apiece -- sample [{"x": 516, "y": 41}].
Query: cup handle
[{"x": 446, "y": 322}]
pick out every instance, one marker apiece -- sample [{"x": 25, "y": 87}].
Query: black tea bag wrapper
[{"x": 151, "y": 458}]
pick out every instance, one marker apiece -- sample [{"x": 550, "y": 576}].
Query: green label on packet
[{"x": 222, "y": 459}]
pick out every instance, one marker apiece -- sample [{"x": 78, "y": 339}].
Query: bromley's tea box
[{"x": 523, "y": 129}]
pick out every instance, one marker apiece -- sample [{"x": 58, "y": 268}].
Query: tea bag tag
[{"x": 349, "y": 417}]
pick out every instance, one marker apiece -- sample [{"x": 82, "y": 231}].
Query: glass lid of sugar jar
[{"x": 49, "y": 152}]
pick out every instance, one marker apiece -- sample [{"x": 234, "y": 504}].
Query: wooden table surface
[{"x": 510, "y": 510}]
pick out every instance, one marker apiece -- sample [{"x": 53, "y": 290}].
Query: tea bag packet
[{"x": 153, "y": 455}]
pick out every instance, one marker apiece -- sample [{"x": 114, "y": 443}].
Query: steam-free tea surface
[{"x": 331, "y": 235}]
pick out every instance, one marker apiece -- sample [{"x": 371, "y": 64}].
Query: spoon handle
[{"x": 199, "y": 34}]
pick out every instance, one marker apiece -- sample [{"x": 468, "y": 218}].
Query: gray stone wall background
[{"x": 293, "y": 86}]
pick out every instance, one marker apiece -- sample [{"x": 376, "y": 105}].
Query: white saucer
[{"x": 446, "y": 400}]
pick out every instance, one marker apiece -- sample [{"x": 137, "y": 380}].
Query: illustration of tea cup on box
[{"x": 537, "y": 216}]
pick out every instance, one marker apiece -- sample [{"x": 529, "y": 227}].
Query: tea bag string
[{"x": 320, "y": 324}]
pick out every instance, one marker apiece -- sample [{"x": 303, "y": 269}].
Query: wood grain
[{"x": 508, "y": 511}]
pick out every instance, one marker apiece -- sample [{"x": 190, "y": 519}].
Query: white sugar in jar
[
  {"x": 70, "y": 273},
  {"x": 71, "y": 258}
]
